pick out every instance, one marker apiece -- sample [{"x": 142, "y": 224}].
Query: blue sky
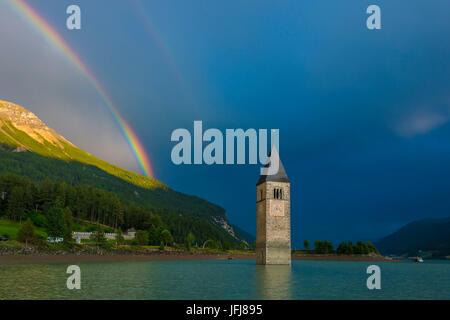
[{"x": 363, "y": 115}]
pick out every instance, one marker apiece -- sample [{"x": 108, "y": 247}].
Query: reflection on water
[
  {"x": 226, "y": 280},
  {"x": 273, "y": 282},
  {"x": 24, "y": 282}
]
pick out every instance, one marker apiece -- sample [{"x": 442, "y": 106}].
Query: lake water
[{"x": 226, "y": 280}]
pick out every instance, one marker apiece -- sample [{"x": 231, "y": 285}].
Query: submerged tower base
[{"x": 280, "y": 256}]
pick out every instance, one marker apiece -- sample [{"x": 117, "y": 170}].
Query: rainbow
[{"x": 50, "y": 34}]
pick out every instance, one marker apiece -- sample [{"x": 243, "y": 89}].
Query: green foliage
[
  {"x": 306, "y": 244},
  {"x": 142, "y": 237},
  {"x": 40, "y": 168},
  {"x": 343, "y": 248},
  {"x": 16, "y": 203},
  {"x": 323, "y": 247},
  {"x": 166, "y": 237},
  {"x": 26, "y": 232},
  {"x": 80, "y": 225},
  {"x": 98, "y": 206},
  {"x": 119, "y": 237},
  {"x": 359, "y": 248},
  {"x": 242, "y": 246},
  {"x": 189, "y": 241},
  {"x": 56, "y": 223},
  {"x": 68, "y": 220},
  {"x": 99, "y": 239},
  {"x": 371, "y": 248},
  {"x": 242, "y": 234},
  {"x": 11, "y": 228},
  {"x": 180, "y": 225},
  {"x": 38, "y": 219},
  {"x": 161, "y": 246},
  {"x": 69, "y": 166},
  {"x": 154, "y": 235},
  {"x": 226, "y": 245},
  {"x": 66, "y": 151},
  {"x": 212, "y": 244}
]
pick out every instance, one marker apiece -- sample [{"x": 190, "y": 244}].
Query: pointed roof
[{"x": 280, "y": 176}]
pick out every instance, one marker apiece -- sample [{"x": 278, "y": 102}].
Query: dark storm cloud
[{"x": 363, "y": 115}]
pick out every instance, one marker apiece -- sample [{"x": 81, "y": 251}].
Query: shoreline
[{"x": 169, "y": 256}]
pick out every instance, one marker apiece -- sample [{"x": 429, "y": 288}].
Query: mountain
[
  {"x": 431, "y": 236},
  {"x": 28, "y": 147},
  {"x": 24, "y": 131}
]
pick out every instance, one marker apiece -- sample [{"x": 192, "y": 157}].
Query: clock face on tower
[{"x": 277, "y": 208}]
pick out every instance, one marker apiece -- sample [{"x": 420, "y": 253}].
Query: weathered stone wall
[{"x": 273, "y": 229}]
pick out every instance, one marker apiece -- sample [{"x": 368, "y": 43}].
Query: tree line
[
  {"x": 53, "y": 205},
  {"x": 325, "y": 247},
  {"x": 40, "y": 168}
]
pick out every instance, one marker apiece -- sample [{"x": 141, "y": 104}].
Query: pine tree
[
  {"x": 56, "y": 224},
  {"x": 142, "y": 237},
  {"x": 98, "y": 237},
  {"x": 16, "y": 207},
  {"x": 68, "y": 219},
  {"x": 190, "y": 239},
  {"x": 45, "y": 194},
  {"x": 119, "y": 237},
  {"x": 26, "y": 232},
  {"x": 166, "y": 237},
  {"x": 306, "y": 244}
]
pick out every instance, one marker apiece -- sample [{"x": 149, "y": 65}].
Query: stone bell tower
[{"x": 273, "y": 217}]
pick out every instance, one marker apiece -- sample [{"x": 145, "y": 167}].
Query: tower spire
[{"x": 280, "y": 176}]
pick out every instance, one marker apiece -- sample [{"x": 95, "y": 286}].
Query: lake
[{"x": 226, "y": 280}]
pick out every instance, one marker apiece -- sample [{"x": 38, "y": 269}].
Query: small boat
[{"x": 419, "y": 259}]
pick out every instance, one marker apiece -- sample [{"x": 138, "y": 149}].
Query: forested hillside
[
  {"x": 28, "y": 148},
  {"x": 21, "y": 198},
  {"x": 39, "y": 168}
]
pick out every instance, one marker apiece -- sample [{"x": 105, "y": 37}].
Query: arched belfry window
[{"x": 278, "y": 193}]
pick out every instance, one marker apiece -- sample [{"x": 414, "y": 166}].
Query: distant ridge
[{"x": 430, "y": 236}]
